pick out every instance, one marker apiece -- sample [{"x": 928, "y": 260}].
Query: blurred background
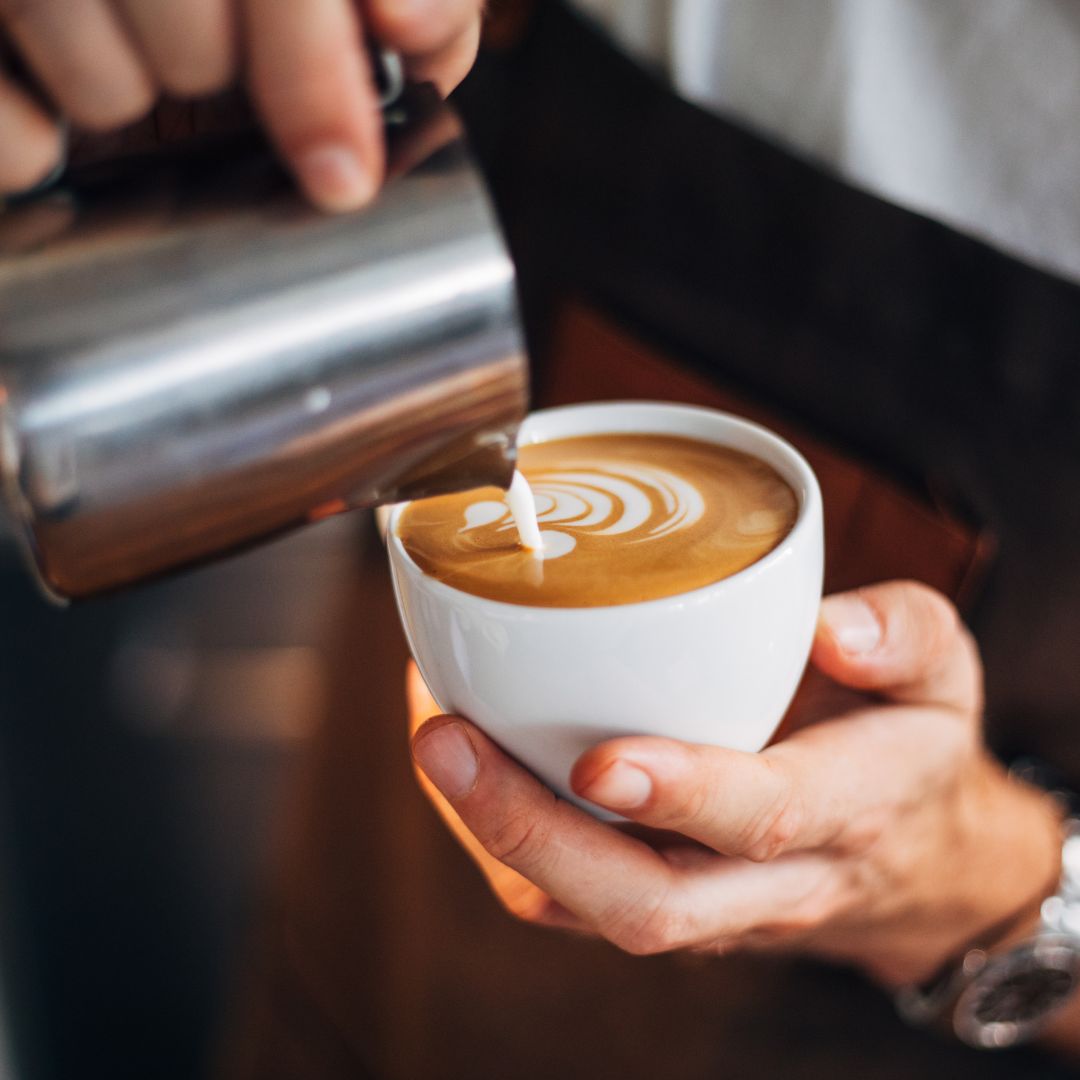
[
  {"x": 148, "y": 743},
  {"x": 214, "y": 860}
]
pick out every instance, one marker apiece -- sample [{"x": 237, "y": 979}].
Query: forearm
[{"x": 1010, "y": 858}]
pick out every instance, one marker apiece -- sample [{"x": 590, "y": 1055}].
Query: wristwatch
[{"x": 993, "y": 1000}]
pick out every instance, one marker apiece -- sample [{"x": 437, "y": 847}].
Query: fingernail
[
  {"x": 448, "y": 759},
  {"x": 620, "y": 786},
  {"x": 335, "y": 177},
  {"x": 854, "y": 624}
]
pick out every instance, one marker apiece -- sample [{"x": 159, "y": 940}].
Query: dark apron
[
  {"x": 665, "y": 251},
  {"x": 942, "y": 365}
]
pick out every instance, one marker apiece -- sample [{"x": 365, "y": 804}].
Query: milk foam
[
  {"x": 604, "y": 519},
  {"x": 617, "y": 499}
]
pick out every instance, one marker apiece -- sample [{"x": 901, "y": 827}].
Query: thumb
[{"x": 903, "y": 640}]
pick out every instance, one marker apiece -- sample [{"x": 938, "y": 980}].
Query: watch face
[{"x": 1012, "y": 996}]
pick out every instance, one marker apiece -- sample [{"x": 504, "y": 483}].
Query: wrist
[
  {"x": 997, "y": 858},
  {"x": 1003, "y": 859},
  {"x": 1019, "y": 982},
  {"x": 1014, "y": 836}
]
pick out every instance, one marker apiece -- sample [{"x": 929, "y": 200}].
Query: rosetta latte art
[
  {"x": 621, "y": 518},
  {"x": 638, "y": 503}
]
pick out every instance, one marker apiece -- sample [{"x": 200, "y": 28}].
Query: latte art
[
  {"x": 613, "y": 519},
  {"x": 642, "y": 504}
]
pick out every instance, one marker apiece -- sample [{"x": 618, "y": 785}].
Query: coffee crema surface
[{"x": 623, "y": 518}]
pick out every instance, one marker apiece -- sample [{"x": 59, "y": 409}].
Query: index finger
[
  {"x": 830, "y": 786},
  {"x": 517, "y": 894},
  {"x": 641, "y": 899},
  {"x": 312, "y": 84},
  {"x": 612, "y": 882}
]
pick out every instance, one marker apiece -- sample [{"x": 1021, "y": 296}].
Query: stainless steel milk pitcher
[{"x": 192, "y": 359}]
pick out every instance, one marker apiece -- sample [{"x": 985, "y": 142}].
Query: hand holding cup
[{"x": 874, "y": 833}]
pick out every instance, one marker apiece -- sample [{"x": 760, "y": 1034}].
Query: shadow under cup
[{"x": 717, "y": 665}]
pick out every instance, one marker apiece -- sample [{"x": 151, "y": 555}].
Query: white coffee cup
[{"x": 715, "y": 665}]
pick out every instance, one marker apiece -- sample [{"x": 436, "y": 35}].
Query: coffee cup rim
[{"x": 806, "y": 489}]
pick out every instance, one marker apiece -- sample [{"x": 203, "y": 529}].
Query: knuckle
[
  {"x": 935, "y": 624},
  {"x": 860, "y": 834},
  {"x": 691, "y": 804},
  {"x": 518, "y": 838},
  {"x": 773, "y": 831},
  {"x": 657, "y": 929},
  {"x": 941, "y": 613},
  {"x": 933, "y": 615},
  {"x": 650, "y": 939}
]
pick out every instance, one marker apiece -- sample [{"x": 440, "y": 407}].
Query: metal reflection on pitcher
[{"x": 196, "y": 360}]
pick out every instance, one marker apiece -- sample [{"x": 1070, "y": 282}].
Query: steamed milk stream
[{"x": 622, "y": 518}]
